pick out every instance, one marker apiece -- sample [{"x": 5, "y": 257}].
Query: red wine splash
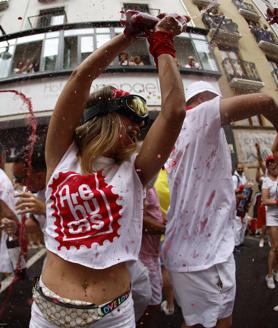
[{"x": 32, "y": 121}]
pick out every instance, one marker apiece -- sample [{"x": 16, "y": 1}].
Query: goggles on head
[{"x": 132, "y": 106}]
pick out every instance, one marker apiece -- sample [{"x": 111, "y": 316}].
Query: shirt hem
[{"x": 200, "y": 267}]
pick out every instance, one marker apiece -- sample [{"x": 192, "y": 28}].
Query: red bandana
[{"x": 117, "y": 93}]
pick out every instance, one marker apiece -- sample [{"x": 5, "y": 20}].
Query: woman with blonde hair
[{"x": 95, "y": 186}]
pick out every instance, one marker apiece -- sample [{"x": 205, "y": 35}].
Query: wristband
[{"x": 161, "y": 42}]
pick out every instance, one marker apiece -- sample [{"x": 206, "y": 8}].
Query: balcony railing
[
  {"x": 242, "y": 74},
  {"x": 205, "y": 3},
  {"x": 247, "y": 10},
  {"x": 222, "y": 29},
  {"x": 266, "y": 41},
  {"x": 46, "y": 20},
  {"x": 275, "y": 75}
]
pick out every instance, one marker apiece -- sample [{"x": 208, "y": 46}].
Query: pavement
[{"x": 253, "y": 306}]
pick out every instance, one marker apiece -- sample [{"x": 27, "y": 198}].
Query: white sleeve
[
  {"x": 235, "y": 182},
  {"x": 266, "y": 183}
]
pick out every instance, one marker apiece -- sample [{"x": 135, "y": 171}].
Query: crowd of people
[
  {"x": 126, "y": 60},
  {"x": 103, "y": 204}
]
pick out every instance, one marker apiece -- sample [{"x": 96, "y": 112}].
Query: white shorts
[
  {"x": 271, "y": 220},
  {"x": 122, "y": 317},
  {"x": 140, "y": 287},
  {"x": 206, "y": 296}
]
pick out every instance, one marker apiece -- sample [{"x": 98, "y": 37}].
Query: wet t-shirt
[
  {"x": 94, "y": 219},
  {"x": 272, "y": 187},
  {"x": 199, "y": 231}
]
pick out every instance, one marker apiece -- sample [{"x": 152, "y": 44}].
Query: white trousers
[{"x": 240, "y": 227}]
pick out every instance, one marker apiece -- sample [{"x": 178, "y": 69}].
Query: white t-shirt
[
  {"x": 272, "y": 186},
  {"x": 199, "y": 232},
  {"x": 96, "y": 219},
  {"x": 6, "y": 195},
  {"x": 238, "y": 180}
]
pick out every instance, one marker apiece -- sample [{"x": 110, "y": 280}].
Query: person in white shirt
[
  {"x": 239, "y": 177},
  {"x": 95, "y": 186},
  {"x": 270, "y": 200},
  {"x": 33, "y": 202},
  {"x": 199, "y": 242},
  {"x": 241, "y": 218},
  {"x": 9, "y": 225}
]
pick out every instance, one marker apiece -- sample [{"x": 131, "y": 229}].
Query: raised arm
[
  {"x": 72, "y": 100},
  {"x": 241, "y": 107},
  {"x": 274, "y": 147},
  {"x": 261, "y": 165},
  {"x": 161, "y": 137}
]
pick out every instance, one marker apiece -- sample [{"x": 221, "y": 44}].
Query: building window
[
  {"x": 50, "y": 52},
  {"x": 193, "y": 52},
  {"x": 232, "y": 64},
  {"x": 87, "y": 46},
  {"x": 274, "y": 69},
  {"x": 27, "y": 55},
  {"x": 6, "y": 56},
  {"x": 137, "y": 6},
  {"x": 65, "y": 49},
  {"x": 70, "y": 59},
  {"x": 52, "y": 16}
]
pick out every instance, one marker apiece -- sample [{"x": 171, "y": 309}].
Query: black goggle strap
[
  {"x": 98, "y": 109},
  {"x": 120, "y": 104}
]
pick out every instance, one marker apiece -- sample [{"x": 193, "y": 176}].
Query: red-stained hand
[
  {"x": 9, "y": 226},
  {"x": 172, "y": 23},
  {"x": 140, "y": 24}
]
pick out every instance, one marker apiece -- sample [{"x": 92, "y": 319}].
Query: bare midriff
[{"x": 77, "y": 282}]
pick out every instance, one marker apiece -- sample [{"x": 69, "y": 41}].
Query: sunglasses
[{"x": 132, "y": 106}]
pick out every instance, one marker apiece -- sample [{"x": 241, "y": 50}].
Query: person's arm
[
  {"x": 152, "y": 226},
  {"x": 8, "y": 220},
  {"x": 241, "y": 107},
  {"x": 258, "y": 174},
  {"x": 260, "y": 159},
  {"x": 266, "y": 200},
  {"x": 274, "y": 148},
  {"x": 72, "y": 100},
  {"x": 161, "y": 137}
]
